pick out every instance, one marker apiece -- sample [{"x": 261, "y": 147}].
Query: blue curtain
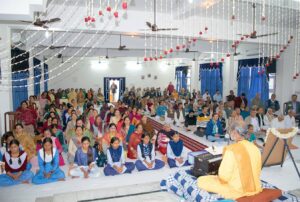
[
  {"x": 253, "y": 80},
  {"x": 46, "y": 77},
  {"x": 211, "y": 78},
  {"x": 181, "y": 77},
  {"x": 243, "y": 80},
  {"x": 37, "y": 76},
  {"x": 19, "y": 88}
]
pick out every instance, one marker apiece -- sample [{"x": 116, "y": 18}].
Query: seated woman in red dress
[
  {"x": 134, "y": 141},
  {"x": 27, "y": 117}
]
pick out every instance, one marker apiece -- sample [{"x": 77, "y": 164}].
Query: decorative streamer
[
  {"x": 65, "y": 62},
  {"x": 47, "y": 10},
  {"x": 38, "y": 53}
]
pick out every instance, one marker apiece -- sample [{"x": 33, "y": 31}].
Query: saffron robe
[{"x": 239, "y": 172}]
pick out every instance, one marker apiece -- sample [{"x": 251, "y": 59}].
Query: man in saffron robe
[{"x": 239, "y": 172}]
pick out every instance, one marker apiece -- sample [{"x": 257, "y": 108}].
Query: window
[{"x": 272, "y": 83}]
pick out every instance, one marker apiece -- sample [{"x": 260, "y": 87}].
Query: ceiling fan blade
[
  {"x": 54, "y": 20},
  {"x": 263, "y": 35},
  {"x": 26, "y": 21},
  {"x": 167, "y": 29},
  {"x": 149, "y": 24},
  {"x": 56, "y": 47}
]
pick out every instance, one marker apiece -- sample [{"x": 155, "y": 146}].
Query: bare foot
[
  {"x": 25, "y": 182},
  {"x": 62, "y": 179},
  {"x": 74, "y": 177}
]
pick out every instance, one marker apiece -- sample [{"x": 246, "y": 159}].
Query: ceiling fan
[
  {"x": 253, "y": 34},
  {"x": 236, "y": 53},
  {"x": 42, "y": 23},
  {"x": 52, "y": 47},
  {"x": 122, "y": 47},
  {"x": 153, "y": 27}
]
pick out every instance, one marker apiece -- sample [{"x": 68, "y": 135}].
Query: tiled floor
[{"x": 285, "y": 178}]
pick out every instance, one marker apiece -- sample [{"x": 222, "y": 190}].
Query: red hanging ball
[
  {"x": 284, "y": 47},
  {"x": 277, "y": 56},
  {"x": 217, "y": 64},
  {"x": 281, "y": 51},
  {"x": 242, "y": 38},
  {"x": 233, "y": 45},
  {"x": 247, "y": 36},
  {"x": 200, "y": 33},
  {"x": 297, "y": 74},
  {"x": 190, "y": 41},
  {"x": 89, "y": 18},
  {"x": 267, "y": 65},
  {"x": 161, "y": 57},
  {"x": 93, "y": 19},
  {"x": 171, "y": 50},
  {"x": 166, "y": 52},
  {"x": 108, "y": 8},
  {"x": 289, "y": 41},
  {"x": 294, "y": 77},
  {"x": 211, "y": 64},
  {"x": 155, "y": 58},
  {"x": 291, "y": 37},
  {"x": 150, "y": 58},
  {"x": 206, "y": 28},
  {"x": 178, "y": 47},
  {"x": 222, "y": 59},
  {"x": 233, "y": 17},
  {"x": 237, "y": 42},
  {"x": 263, "y": 18},
  {"x": 100, "y": 13},
  {"x": 116, "y": 14},
  {"x": 228, "y": 55},
  {"x": 183, "y": 46},
  {"x": 124, "y": 5},
  {"x": 194, "y": 39},
  {"x": 145, "y": 59},
  {"x": 86, "y": 19}
]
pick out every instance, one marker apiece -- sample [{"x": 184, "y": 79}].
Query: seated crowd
[{"x": 78, "y": 128}]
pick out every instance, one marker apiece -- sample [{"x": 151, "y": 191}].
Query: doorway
[{"x": 114, "y": 88}]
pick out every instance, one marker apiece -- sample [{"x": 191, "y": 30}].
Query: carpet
[{"x": 189, "y": 143}]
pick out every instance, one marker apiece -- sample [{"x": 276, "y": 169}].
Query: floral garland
[{"x": 283, "y": 133}]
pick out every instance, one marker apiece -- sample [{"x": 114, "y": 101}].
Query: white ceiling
[{"x": 72, "y": 26}]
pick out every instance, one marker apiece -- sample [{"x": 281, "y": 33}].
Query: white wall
[
  {"x": 5, "y": 91},
  {"x": 89, "y": 73}
]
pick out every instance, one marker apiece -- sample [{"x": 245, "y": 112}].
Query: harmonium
[{"x": 206, "y": 164}]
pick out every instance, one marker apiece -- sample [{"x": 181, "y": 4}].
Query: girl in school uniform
[
  {"x": 146, "y": 155},
  {"x": 175, "y": 154},
  {"x": 84, "y": 162},
  {"x": 48, "y": 158},
  {"x": 16, "y": 167},
  {"x": 56, "y": 144},
  {"x": 116, "y": 159},
  {"x": 112, "y": 132}
]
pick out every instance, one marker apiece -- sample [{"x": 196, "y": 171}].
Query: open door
[{"x": 114, "y": 88}]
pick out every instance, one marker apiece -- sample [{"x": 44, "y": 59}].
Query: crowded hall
[{"x": 150, "y": 100}]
